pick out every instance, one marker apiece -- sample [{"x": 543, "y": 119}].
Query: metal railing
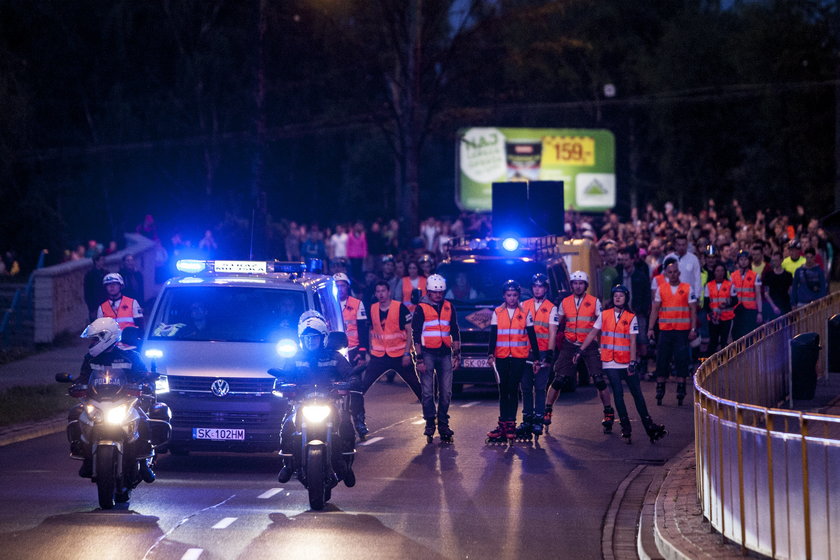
[
  {"x": 768, "y": 478},
  {"x": 22, "y": 296}
]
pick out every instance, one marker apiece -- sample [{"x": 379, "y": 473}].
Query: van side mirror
[{"x": 337, "y": 340}]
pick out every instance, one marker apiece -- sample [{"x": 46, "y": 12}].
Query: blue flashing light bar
[
  {"x": 510, "y": 244},
  {"x": 193, "y": 266}
]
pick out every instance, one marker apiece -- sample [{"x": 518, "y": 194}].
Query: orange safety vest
[
  {"x": 351, "y": 327},
  {"x": 125, "y": 312},
  {"x": 579, "y": 321},
  {"x": 512, "y": 339},
  {"x": 436, "y": 327},
  {"x": 541, "y": 317},
  {"x": 745, "y": 288},
  {"x": 391, "y": 340},
  {"x": 719, "y": 297},
  {"x": 615, "y": 337},
  {"x": 674, "y": 311},
  {"x": 406, "y": 290}
]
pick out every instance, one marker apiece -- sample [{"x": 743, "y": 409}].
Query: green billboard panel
[{"x": 583, "y": 158}]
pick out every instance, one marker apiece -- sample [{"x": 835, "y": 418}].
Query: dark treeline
[{"x": 336, "y": 110}]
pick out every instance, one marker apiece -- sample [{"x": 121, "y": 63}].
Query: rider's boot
[
  {"x": 359, "y": 424},
  {"x": 288, "y": 468},
  {"x": 349, "y": 476},
  {"x": 146, "y": 454}
]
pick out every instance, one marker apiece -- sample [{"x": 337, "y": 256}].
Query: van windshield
[
  {"x": 481, "y": 282},
  {"x": 227, "y": 314}
]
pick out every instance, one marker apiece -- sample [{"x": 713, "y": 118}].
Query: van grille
[
  {"x": 212, "y": 418},
  {"x": 237, "y": 385}
]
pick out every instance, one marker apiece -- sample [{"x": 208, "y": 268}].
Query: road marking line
[
  {"x": 418, "y": 422},
  {"x": 192, "y": 554},
  {"x": 160, "y": 539},
  {"x": 469, "y": 404},
  {"x": 269, "y": 493},
  {"x": 224, "y": 523},
  {"x": 372, "y": 440}
]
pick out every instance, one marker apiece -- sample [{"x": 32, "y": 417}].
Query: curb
[{"x": 30, "y": 430}]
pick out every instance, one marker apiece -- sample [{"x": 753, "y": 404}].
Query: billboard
[{"x": 584, "y": 159}]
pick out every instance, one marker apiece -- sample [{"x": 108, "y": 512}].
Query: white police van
[{"x": 212, "y": 335}]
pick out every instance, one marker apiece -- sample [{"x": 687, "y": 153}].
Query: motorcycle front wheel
[
  {"x": 106, "y": 475},
  {"x": 315, "y": 477}
]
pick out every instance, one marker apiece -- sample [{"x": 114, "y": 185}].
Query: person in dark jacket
[
  {"x": 133, "y": 279},
  {"x": 808, "y": 281},
  {"x": 95, "y": 292},
  {"x": 634, "y": 275}
]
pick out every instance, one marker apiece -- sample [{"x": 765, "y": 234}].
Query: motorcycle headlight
[
  {"x": 161, "y": 385},
  {"x": 117, "y": 415},
  {"x": 316, "y": 413},
  {"x": 93, "y": 413}
]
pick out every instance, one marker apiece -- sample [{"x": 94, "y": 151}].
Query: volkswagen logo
[{"x": 220, "y": 387}]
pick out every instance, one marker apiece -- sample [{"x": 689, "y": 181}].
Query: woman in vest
[
  {"x": 718, "y": 298},
  {"x": 413, "y": 281},
  {"x": 619, "y": 329},
  {"x": 512, "y": 341}
]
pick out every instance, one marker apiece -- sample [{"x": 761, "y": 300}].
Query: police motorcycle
[
  {"x": 117, "y": 423},
  {"x": 317, "y": 437}
]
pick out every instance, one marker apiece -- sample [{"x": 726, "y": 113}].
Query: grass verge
[{"x": 32, "y": 403}]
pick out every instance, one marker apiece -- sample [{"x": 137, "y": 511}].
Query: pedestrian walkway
[{"x": 40, "y": 368}]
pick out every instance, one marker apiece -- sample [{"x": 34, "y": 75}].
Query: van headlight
[
  {"x": 161, "y": 385},
  {"x": 286, "y": 348},
  {"x": 154, "y": 354},
  {"x": 316, "y": 413}
]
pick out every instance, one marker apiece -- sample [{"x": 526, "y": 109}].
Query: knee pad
[{"x": 601, "y": 384}]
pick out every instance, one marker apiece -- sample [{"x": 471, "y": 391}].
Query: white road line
[
  {"x": 419, "y": 422},
  {"x": 372, "y": 440},
  {"x": 269, "y": 493},
  {"x": 224, "y": 523},
  {"x": 192, "y": 554},
  {"x": 469, "y": 404}
]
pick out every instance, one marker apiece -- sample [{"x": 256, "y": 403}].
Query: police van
[
  {"x": 475, "y": 270},
  {"x": 213, "y": 334}
]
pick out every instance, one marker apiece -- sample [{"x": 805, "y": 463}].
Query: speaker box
[{"x": 528, "y": 209}]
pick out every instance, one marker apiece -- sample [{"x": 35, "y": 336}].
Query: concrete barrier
[{"x": 58, "y": 292}]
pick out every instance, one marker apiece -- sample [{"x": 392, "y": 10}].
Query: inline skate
[
  {"x": 546, "y": 419},
  {"x": 654, "y": 431},
  {"x": 537, "y": 426},
  {"x": 498, "y": 436},
  {"x": 609, "y": 419},
  {"x": 626, "y": 431},
  {"x": 445, "y": 432},
  {"x": 524, "y": 432},
  {"x": 660, "y": 392},
  {"x": 429, "y": 432}
]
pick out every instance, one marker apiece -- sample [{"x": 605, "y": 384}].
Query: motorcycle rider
[
  {"x": 105, "y": 353},
  {"x": 315, "y": 363}
]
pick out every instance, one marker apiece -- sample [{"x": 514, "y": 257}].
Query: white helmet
[
  {"x": 341, "y": 277},
  {"x": 113, "y": 278},
  {"x": 579, "y": 275},
  {"x": 105, "y": 331},
  {"x": 314, "y": 323},
  {"x": 436, "y": 283},
  {"x": 311, "y": 313}
]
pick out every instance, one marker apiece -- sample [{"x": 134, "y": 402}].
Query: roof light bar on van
[{"x": 193, "y": 266}]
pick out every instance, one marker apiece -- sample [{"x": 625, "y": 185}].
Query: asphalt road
[{"x": 412, "y": 499}]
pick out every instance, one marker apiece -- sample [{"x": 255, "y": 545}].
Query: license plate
[
  {"x": 218, "y": 434},
  {"x": 475, "y": 362}
]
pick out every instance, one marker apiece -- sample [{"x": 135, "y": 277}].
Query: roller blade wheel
[
  {"x": 446, "y": 439},
  {"x": 497, "y": 436},
  {"x": 496, "y": 441},
  {"x": 656, "y": 432},
  {"x": 445, "y": 433}
]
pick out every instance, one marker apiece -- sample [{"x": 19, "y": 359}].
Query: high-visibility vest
[
  {"x": 745, "y": 288},
  {"x": 674, "y": 312},
  {"x": 436, "y": 327},
  {"x": 615, "y": 337},
  {"x": 351, "y": 327},
  {"x": 392, "y": 339},
  {"x": 579, "y": 320},
  {"x": 407, "y": 287},
  {"x": 512, "y": 339},
  {"x": 541, "y": 316},
  {"x": 125, "y": 312},
  {"x": 719, "y": 297}
]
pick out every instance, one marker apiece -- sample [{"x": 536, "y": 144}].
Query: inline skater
[
  {"x": 618, "y": 328},
  {"x": 545, "y": 316},
  {"x": 512, "y": 340},
  {"x": 437, "y": 345},
  {"x": 578, "y": 312},
  {"x": 675, "y": 309},
  {"x": 316, "y": 363}
]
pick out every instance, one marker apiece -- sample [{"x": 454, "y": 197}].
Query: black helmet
[
  {"x": 511, "y": 285},
  {"x": 539, "y": 279},
  {"x": 620, "y": 288}
]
